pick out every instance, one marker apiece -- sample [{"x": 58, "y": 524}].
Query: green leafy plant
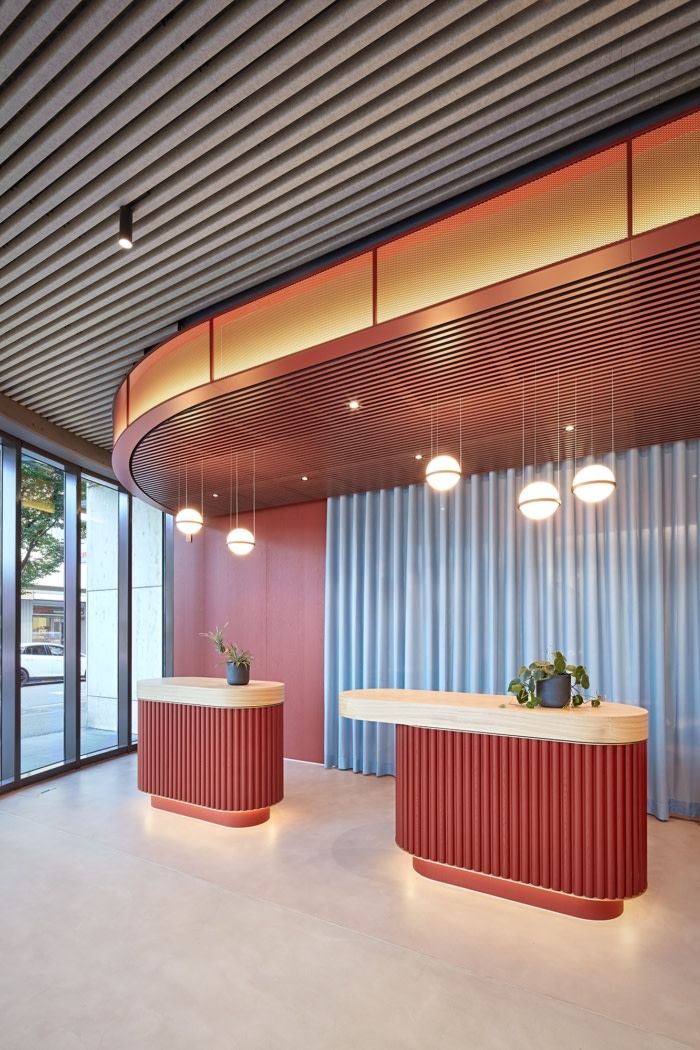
[
  {"x": 524, "y": 687},
  {"x": 231, "y": 653}
]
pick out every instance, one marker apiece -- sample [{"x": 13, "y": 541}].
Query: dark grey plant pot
[
  {"x": 554, "y": 692},
  {"x": 237, "y": 675}
]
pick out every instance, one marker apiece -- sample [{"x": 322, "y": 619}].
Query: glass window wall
[
  {"x": 99, "y": 616},
  {"x": 42, "y": 613},
  {"x": 74, "y": 636},
  {"x": 146, "y": 598}
]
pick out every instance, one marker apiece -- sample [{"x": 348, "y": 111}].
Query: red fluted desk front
[
  {"x": 210, "y": 750},
  {"x": 543, "y": 806}
]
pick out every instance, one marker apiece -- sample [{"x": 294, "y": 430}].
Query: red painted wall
[{"x": 273, "y": 602}]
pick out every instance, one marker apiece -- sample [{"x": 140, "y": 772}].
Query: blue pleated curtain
[{"x": 455, "y": 591}]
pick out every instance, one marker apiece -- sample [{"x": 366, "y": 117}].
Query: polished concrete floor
[{"x": 125, "y": 928}]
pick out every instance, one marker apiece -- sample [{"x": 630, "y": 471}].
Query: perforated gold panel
[
  {"x": 179, "y": 365},
  {"x": 119, "y": 415},
  {"x": 562, "y": 214},
  {"x": 666, "y": 174},
  {"x": 311, "y": 311}
]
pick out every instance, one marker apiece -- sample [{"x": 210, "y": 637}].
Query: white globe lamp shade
[
  {"x": 189, "y": 521},
  {"x": 240, "y": 541},
  {"x": 593, "y": 483},
  {"x": 539, "y": 500},
  {"x": 443, "y": 473}
]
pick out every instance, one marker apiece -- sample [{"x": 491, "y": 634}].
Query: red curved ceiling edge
[{"x": 600, "y": 260}]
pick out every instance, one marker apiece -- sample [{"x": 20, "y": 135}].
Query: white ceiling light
[
  {"x": 239, "y": 541},
  {"x": 442, "y": 473},
  {"x": 539, "y": 500},
  {"x": 595, "y": 482},
  {"x": 188, "y": 520}
]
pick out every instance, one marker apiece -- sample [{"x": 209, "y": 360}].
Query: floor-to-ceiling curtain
[{"x": 455, "y": 591}]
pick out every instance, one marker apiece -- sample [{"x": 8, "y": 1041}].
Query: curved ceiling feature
[
  {"x": 638, "y": 320},
  {"x": 581, "y": 271},
  {"x": 254, "y": 138}
]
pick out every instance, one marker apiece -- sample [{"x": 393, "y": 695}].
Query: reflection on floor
[
  {"x": 313, "y": 931},
  {"x": 47, "y": 749}
]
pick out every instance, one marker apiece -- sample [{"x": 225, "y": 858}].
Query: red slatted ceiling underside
[{"x": 640, "y": 320}]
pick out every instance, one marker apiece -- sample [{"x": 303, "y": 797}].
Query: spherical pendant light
[
  {"x": 593, "y": 483},
  {"x": 443, "y": 473},
  {"x": 240, "y": 541},
  {"x": 189, "y": 521},
  {"x": 539, "y": 500}
]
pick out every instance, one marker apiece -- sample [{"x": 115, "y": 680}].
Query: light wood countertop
[
  {"x": 497, "y": 715},
  {"x": 210, "y": 692}
]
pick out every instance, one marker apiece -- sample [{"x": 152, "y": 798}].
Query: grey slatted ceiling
[{"x": 255, "y": 137}]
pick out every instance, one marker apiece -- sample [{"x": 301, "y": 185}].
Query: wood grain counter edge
[{"x": 497, "y": 716}]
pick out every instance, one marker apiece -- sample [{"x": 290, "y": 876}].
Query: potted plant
[
  {"x": 552, "y": 683},
  {"x": 238, "y": 661}
]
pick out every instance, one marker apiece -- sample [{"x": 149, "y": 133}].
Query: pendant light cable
[
  {"x": 612, "y": 410},
  {"x": 460, "y": 433},
  {"x": 201, "y": 509},
  {"x": 590, "y": 402},
  {"x": 534, "y": 454},
  {"x": 575, "y": 420},
  {"x": 254, "y": 492},
  {"x": 236, "y": 489},
  {"x": 230, "y": 491},
  {"x": 558, "y": 438},
  {"x": 523, "y": 422}
]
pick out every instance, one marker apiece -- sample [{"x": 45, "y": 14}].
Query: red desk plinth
[
  {"x": 211, "y": 751},
  {"x": 557, "y": 823}
]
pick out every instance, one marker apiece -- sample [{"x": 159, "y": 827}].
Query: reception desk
[
  {"x": 543, "y": 806},
  {"x": 210, "y": 750}
]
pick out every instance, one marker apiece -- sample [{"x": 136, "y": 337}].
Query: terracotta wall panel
[{"x": 273, "y": 601}]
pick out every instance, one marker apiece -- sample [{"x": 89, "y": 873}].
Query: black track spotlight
[{"x": 126, "y": 224}]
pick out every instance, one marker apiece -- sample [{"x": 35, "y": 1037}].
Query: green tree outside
[{"x": 42, "y": 509}]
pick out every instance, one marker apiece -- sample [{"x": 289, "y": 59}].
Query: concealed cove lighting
[
  {"x": 539, "y": 500},
  {"x": 189, "y": 521},
  {"x": 443, "y": 473},
  {"x": 126, "y": 224},
  {"x": 353, "y": 405},
  {"x": 593, "y": 483},
  {"x": 240, "y": 541}
]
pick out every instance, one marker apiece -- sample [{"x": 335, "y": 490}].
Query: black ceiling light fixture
[{"x": 126, "y": 226}]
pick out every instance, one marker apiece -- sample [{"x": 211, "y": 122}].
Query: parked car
[{"x": 44, "y": 660}]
